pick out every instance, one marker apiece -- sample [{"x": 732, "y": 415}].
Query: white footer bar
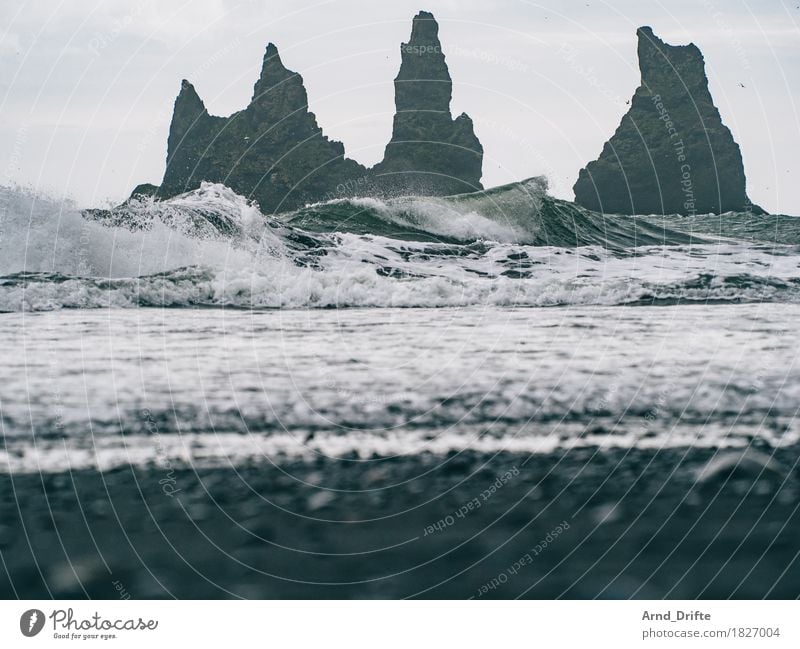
[{"x": 401, "y": 624}]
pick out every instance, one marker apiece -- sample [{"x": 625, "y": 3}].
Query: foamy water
[
  {"x": 100, "y": 389},
  {"x": 213, "y": 248},
  {"x": 669, "y": 332}
]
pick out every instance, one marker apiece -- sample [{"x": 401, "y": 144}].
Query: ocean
[{"x": 399, "y": 397}]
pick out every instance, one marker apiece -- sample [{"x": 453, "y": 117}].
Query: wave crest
[{"x": 510, "y": 246}]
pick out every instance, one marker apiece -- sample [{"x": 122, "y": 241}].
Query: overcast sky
[{"x": 87, "y": 87}]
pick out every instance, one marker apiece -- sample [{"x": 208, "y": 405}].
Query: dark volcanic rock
[
  {"x": 671, "y": 154},
  {"x": 144, "y": 190},
  {"x": 273, "y": 151},
  {"x": 430, "y": 152}
]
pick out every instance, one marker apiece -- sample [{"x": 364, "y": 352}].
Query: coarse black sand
[{"x": 639, "y": 524}]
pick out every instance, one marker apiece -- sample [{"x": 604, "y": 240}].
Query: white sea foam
[
  {"x": 41, "y": 234},
  {"x": 194, "y": 386},
  {"x": 212, "y": 247},
  {"x": 444, "y": 218},
  {"x": 91, "y": 388},
  {"x": 225, "y": 450}
]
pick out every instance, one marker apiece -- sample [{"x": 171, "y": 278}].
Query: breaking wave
[{"x": 509, "y": 246}]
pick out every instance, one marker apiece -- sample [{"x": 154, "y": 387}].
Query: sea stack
[
  {"x": 430, "y": 152},
  {"x": 671, "y": 153},
  {"x": 273, "y": 151}
]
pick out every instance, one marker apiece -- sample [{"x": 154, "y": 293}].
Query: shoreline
[{"x": 640, "y": 523}]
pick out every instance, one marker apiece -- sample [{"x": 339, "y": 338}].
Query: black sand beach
[{"x": 574, "y": 524}]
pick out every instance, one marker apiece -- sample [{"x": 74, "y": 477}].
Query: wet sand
[{"x": 573, "y": 524}]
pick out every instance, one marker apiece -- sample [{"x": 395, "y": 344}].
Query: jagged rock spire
[
  {"x": 278, "y": 92},
  {"x": 423, "y": 82},
  {"x": 188, "y": 109},
  {"x": 429, "y": 153},
  {"x": 275, "y": 152},
  {"x": 671, "y": 153}
]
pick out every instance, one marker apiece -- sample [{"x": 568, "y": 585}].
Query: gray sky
[{"x": 86, "y": 87}]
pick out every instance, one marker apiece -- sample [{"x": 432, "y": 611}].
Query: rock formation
[
  {"x": 671, "y": 154},
  {"x": 430, "y": 152},
  {"x": 274, "y": 152}
]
